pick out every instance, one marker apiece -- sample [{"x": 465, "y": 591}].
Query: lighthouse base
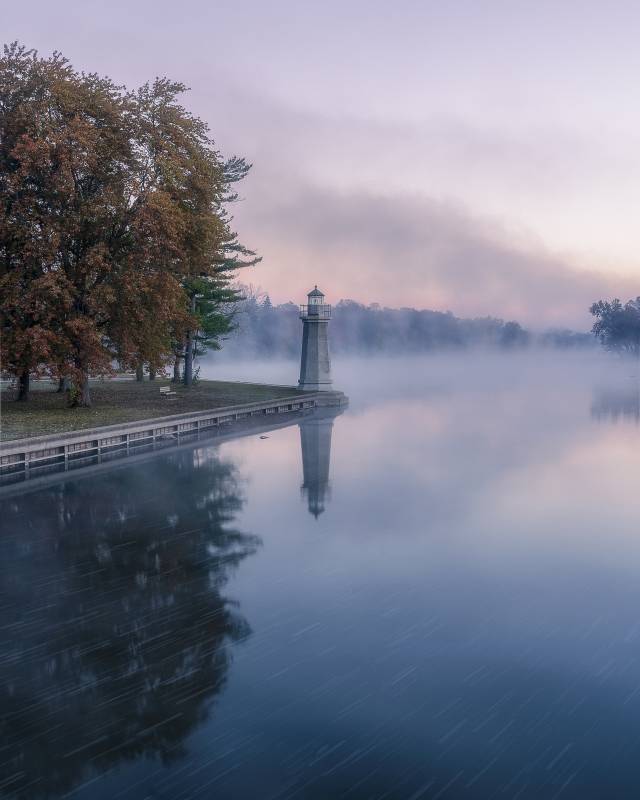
[
  {"x": 315, "y": 387},
  {"x": 315, "y": 367}
]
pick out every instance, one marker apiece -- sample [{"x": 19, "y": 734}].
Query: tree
[
  {"x": 110, "y": 203},
  {"x": 617, "y": 326},
  {"x": 513, "y": 335},
  {"x": 212, "y": 307},
  {"x": 65, "y": 166},
  {"x": 212, "y": 299}
]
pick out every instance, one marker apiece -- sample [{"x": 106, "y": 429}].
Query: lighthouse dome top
[{"x": 315, "y": 292}]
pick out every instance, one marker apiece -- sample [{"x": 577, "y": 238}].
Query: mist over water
[
  {"x": 433, "y": 594},
  {"x": 365, "y": 379}
]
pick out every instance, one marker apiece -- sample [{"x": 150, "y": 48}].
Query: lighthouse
[{"x": 315, "y": 368}]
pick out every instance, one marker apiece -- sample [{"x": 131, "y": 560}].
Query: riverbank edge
[
  {"x": 120, "y": 401},
  {"x": 42, "y": 448}
]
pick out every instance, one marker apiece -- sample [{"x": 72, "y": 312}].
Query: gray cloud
[
  {"x": 333, "y": 199},
  {"x": 412, "y": 250}
]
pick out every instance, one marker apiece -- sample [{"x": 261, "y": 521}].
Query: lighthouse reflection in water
[{"x": 315, "y": 441}]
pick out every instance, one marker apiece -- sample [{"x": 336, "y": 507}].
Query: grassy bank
[{"x": 121, "y": 401}]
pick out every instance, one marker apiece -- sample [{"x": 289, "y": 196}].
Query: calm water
[{"x": 449, "y": 609}]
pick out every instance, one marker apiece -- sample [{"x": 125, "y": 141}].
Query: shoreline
[
  {"x": 24, "y": 459},
  {"x": 120, "y": 401}
]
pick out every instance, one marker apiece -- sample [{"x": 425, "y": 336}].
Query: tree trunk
[
  {"x": 80, "y": 395},
  {"x": 188, "y": 360},
  {"x": 85, "y": 394},
  {"x": 176, "y": 369},
  {"x": 152, "y": 372},
  {"x": 23, "y": 386},
  {"x": 188, "y": 350},
  {"x": 140, "y": 371}
]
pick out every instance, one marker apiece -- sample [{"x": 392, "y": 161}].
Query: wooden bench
[{"x": 166, "y": 392}]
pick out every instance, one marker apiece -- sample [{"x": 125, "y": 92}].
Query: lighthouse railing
[{"x": 315, "y": 312}]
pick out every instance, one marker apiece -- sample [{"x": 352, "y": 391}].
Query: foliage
[
  {"x": 111, "y": 203},
  {"x": 617, "y": 326},
  {"x": 513, "y": 335},
  {"x": 212, "y": 297},
  {"x": 265, "y": 329},
  {"x": 563, "y": 338}
]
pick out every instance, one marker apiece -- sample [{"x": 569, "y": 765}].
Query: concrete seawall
[{"x": 29, "y": 458}]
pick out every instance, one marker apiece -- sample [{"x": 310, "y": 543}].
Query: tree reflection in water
[
  {"x": 617, "y": 402},
  {"x": 115, "y": 632}
]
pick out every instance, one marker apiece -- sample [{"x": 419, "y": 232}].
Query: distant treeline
[{"x": 264, "y": 329}]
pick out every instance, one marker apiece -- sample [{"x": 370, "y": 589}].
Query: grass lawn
[{"x": 121, "y": 401}]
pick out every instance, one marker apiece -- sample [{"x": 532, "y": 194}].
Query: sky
[{"x": 477, "y": 157}]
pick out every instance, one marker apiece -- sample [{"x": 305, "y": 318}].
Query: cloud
[
  {"x": 573, "y": 188},
  {"x": 385, "y": 212},
  {"x": 410, "y": 250}
]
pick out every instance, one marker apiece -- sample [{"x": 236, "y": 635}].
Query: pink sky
[{"x": 477, "y": 157}]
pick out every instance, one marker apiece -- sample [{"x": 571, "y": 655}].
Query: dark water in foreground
[{"x": 457, "y": 617}]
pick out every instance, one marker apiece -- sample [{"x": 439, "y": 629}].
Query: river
[{"x": 435, "y": 594}]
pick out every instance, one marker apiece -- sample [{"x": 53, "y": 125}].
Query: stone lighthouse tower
[{"x": 315, "y": 369}]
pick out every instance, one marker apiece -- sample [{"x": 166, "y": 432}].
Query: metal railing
[{"x": 315, "y": 312}]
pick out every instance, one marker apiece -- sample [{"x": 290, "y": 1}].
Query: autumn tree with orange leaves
[{"x": 112, "y": 205}]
